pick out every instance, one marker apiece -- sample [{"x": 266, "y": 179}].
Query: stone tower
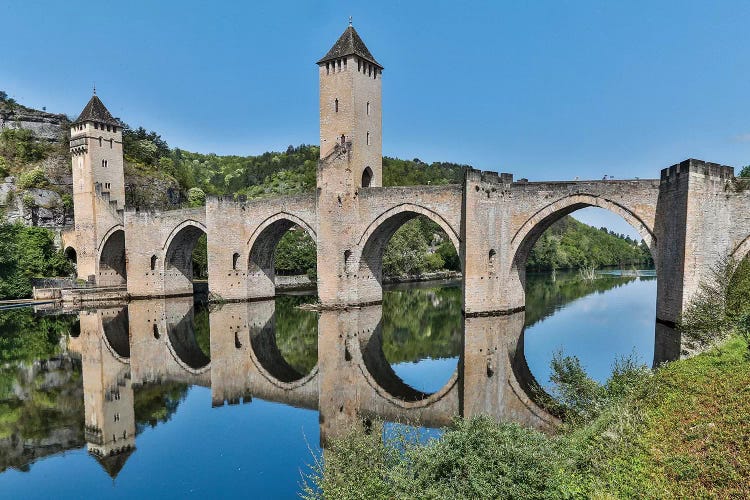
[
  {"x": 96, "y": 147},
  {"x": 98, "y": 187},
  {"x": 350, "y": 106},
  {"x": 351, "y": 158}
]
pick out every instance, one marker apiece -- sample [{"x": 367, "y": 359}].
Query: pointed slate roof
[
  {"x": 96, "y": 111},
  {"x": 349, "y": 43},
  {"x": 113, "y": 464}
]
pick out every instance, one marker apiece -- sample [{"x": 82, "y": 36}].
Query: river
[{"x": 171, "y": 398}]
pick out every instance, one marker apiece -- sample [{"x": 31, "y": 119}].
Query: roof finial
[
  {"x": 94, "y": 88},
  {"x": 350, "y": 21}
]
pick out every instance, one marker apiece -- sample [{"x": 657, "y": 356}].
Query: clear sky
[{"x": 546, "y": 90}]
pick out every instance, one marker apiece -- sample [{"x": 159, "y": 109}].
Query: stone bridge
[{"x": 690, "y": 217}]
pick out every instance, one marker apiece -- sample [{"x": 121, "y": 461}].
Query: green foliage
[
  {"x": 156, "y": 403},
  {"x": 28, "y": 201},
  {"x": 722, "y": 298},
  {"x": 200, "y": 258},
  {"x": 19, "y": 146},
  {"x": 34, "y": 178},
  {"x": 296, "y": 333},
  {"x": 421, "y": 323},
  {"x": 27, "y": 252},
  {"x": 3, "y": 167},
  {"x": 570, "y": 244},
  {"x": 417, "y": 173},
  {"x": 24, "y": 337},
  {"x": 196, "y": 197},
  {"x": 745, "y": 172},
  {"x": 67, "y": 202},
  {"x": 143, "y": 147},
  {"x": 295, "y": 253},
  {"x": 411, "y": 250}
]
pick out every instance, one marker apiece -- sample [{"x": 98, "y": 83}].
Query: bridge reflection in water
[{"x": 167, "y": 340}]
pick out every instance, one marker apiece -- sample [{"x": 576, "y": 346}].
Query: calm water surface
[{"x": 168, "y": 398}]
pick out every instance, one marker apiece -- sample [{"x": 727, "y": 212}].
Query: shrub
[
  {"x": 34, "y": 178},
  {"x": 67, "y": 202},
  {"x": 28, "y": 202},
  {"x": 721, "y": 299}
]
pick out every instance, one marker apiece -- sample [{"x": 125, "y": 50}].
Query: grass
[{"x": 682, "y": 431}]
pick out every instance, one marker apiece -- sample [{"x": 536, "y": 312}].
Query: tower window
[
  {"x": 108, "y": 128},
  {"x": 96, "y": 125},
  {"x": 368, "y": 109},
  {"x": 336, "y": 105},
  {"x": 100, "y": 141},
  {"x": 344, "y": 63},
  {"x": 359, "y": 65},
  {"x": 235, "y": 258},
  {"x": 368, "y": 138},
  {"x": 105, "y": 163},
  {"x": 153, "y": 264},
  {"x": 343, "y": 139},
  {"x": 110, "y": 144},
  {"x": 114, "y": 129}
]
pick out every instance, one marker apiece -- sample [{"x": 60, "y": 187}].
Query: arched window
[
  {"x": 492, "y": 259},
  {"x": 343, "y": 139},
  {"x": 367, "y": 177},
  {"x": 153, "y": 262},
  {"x": 336, "y": 105},
  {"x": 235, "y": 258},
  {"x": 156, "y": 331}
]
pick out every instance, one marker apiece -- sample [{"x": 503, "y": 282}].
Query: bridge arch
[
  {"x": 183, "y": 345},
  {"x": 178, "y": 255},
  {"x": 116, "y": 334},
  {"x": 261, "y": 250},
  {"x": 381, "y": 377},
  {"x": 112, "y": 267},
  {"x": 527, "y": 235},
  {"x": 371, "y": 245}
]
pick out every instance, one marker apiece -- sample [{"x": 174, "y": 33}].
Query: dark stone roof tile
[{"x": 349, "y": 43}]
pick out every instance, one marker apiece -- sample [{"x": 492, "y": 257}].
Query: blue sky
[{"x": 546, "y": 90}]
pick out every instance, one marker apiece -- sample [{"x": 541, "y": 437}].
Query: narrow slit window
[
  {"x": 235, "y": 258},
  {"x": 368, "y": 108},
  {"x": 336, "y": 105}
]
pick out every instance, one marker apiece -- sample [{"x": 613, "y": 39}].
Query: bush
[
  {"x": 28, "y": 202},
  {"x": 67, "y": 202},
  {"x": 27, "y": 252},
  {"x": 34, "y": 178},
  {"x": 722, "y": 298}
]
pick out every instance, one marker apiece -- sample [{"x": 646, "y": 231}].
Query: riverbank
[{"x": 681, "y": 431}]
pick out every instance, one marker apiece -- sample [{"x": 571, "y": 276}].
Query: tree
[
  {"x": 745, "y": 172},
  {"x": 196, "y": 197}
]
